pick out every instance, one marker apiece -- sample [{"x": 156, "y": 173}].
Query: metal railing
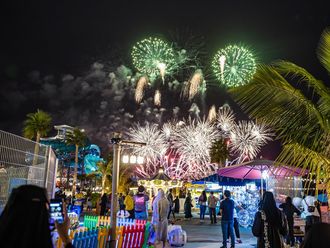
[{"x": 23, "y": 161}]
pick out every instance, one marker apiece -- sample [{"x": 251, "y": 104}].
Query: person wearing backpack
[
  {"x": 311, "y": 213},
  {"x": 140, "y": 200}
]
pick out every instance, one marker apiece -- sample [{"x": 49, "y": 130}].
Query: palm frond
[
  {"x": 271, "y": 98},
  {"x": 323, "y": 51},
  {"x": 76, "y": 137},
  {"x": 38, "y": 122},
  {"x": 289, "y": 69}
]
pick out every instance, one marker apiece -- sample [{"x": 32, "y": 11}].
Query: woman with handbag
[
  {"x": 270, "y": 224},
  {"x": 311, "y": 213}
]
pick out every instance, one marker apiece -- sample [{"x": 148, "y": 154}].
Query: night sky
[{"x": 56, "y": 54}]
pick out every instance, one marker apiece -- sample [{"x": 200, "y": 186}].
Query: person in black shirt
[
  {"x": 24, "y": 222},
  {"x": 289, "y": 209},
  {"x": 227, "y": 219},
  {"x": 103, "y": 203}
]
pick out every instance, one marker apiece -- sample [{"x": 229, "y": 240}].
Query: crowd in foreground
[{"x": 24, "y": 221}]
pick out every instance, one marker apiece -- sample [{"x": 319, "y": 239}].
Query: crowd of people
[{"x": 24, "y": 221}]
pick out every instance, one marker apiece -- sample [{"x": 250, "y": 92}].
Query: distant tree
[
  {"x": 219, "y": 152},
  {"x": 36, "y": 125},
  {"x": 104, "y": 169},
  {"x": 77, "y": 138}
]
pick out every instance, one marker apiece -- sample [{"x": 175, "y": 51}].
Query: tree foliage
[
  {"x": 297, "y": 106},
  {"x": 37, "y": 125}
]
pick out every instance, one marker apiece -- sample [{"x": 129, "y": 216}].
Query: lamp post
[{"x": 117, "y": 143}]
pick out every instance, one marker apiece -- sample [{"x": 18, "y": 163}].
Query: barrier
[
  {"x": 86, "y": 239},
  {"x": 90, "y": 221},
  {"x": 130, "y": 234},
  {"x": 98, "y": 221},
  {"x": 132, "y": 237}
]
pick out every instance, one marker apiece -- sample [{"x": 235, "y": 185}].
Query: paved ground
[{"x": 209, "y": 235}]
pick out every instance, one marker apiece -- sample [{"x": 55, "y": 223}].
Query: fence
[
  {"x": 23, "y": 161},
  {"x": 131, "y": 236},
  {"x": 98, "y": 221}
]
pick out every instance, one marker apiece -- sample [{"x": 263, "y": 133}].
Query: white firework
[
  {"x": 140, "y": 86},
  {"x": 193, "y": 142},
  {"x": 157, "y": 98},
  {"x": 247, "y": 138},
  {"x": 195, "y": 83},
  {"x": 226, "y": 119},
  {"x": 156, "y": 145},
  {"x": 212, "y": 114}
]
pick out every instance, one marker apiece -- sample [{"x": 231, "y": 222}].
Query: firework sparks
[
  {"x": 212, "y": 114},
  {"x": 140, "y": 86},
  {"x": 157, "y": 98},
  {"x": 193, "y": 142},
  {"x": 222, "y": 61},
  {"x": 154, "y": 57},
  {"x": 247, "y": 138},
  {"x": 234, "y": 65},
  {"x": 226, "y": 119},
  {"x": 195, "y": 84},
  {"x": 150, "y": 134}
]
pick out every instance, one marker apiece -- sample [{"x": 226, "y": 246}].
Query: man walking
[
  {"x": 227, "y": 219},
  {"x": 212, "y": 203}
]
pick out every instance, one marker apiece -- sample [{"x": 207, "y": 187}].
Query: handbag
[{"x": 310, "y": 209}]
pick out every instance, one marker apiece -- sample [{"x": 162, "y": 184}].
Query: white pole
[{"x": 115, "y": 179}]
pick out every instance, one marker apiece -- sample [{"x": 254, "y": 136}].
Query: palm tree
[
  {"x": 104, "y": 169},
  {"x": 78, "y": 138},
  {"x": 297, "y": 106},
  {"x": 37, "y": 125},
  {"x": 219, "y": 152}
]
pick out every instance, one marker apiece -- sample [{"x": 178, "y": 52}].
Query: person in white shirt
[{"x": 310, "y": 210}]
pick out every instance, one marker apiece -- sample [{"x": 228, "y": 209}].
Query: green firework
[
  {"x": 234, "y": 65},
  {"x": 154, "y": 57}
]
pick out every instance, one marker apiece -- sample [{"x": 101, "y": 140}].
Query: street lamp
[
  {"x": 117, "y": 143},
  {"x": 132, "y": 159}
]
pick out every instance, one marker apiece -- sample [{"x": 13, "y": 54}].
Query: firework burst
[
  {"x": 158, "y": 98},
  {"x": 226, "y": 119},
  {"x": 234, "y": 65},
  {"x": 192, "y": 142},
  {"x": 140, "y": 86},
  {"x": 212, "y": 114},
  {"x": 247, "y": 138},
  {"x": 154, "y": 57},
  {"x": 156, "y": 145},
  {"x": 195, "y": 84}
]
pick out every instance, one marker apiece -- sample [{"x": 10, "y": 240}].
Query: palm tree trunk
[
  {"x": 74, "y": 186},
  {"x": 61, "y": 174},
  {"x": 104, "y": 177},
  {"x": 68, "y": 177},
  {"x": 36, "y": 150}
]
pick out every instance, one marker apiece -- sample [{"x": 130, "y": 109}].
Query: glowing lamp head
[
  {"x": 125, "y": 159},
  {"x": 132, "y": 159},
  {"x": 140, "y": 160}
]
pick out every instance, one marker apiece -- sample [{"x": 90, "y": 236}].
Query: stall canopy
[
  {"x": 257, "y": 169},
  {"x": 260, "y": 169}
]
